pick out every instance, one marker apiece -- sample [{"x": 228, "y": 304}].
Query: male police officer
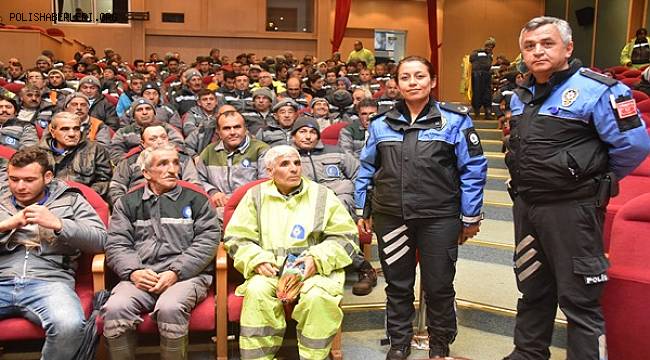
[{"x": 573, "y": 133}]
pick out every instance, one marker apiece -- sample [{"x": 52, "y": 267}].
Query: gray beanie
[
  {"x": 73, "y": 96},
  {"x": 138, "y": 102},
  {"x": 89, "y": 79},
  {"x": 264, "y": 92},
  {"x": 307, "y": 121},
  {"x": 286, "y": 102}
]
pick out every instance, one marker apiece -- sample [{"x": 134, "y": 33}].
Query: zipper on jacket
[
  {"x": 228, "y": 174},
  {"x": 25, "y": 263},
  {"x": 313, "y": 166}
]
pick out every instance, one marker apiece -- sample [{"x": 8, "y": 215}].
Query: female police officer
[{"x": 424, "y": 163}]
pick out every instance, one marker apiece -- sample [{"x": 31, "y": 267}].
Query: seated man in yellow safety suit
[{"x": 290, "y": 214}]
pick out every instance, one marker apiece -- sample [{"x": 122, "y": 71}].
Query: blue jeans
[{"x": 53, "y": 305}]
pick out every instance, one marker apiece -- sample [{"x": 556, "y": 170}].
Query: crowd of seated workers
[{"x": 131, "y": 132}]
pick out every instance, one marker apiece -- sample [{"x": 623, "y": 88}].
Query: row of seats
[
  {"x": 212, "y": 315},
  {"x": 49, "y": 31}
]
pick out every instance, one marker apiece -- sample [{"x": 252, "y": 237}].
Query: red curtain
[
  {"x": 341, "y": 15},
  {"x": 433, "y": 38}
]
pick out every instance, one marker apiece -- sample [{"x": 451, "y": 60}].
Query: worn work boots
[
  {"x": 123, "y": 346},
  {"x": 173, "y": 349},
  {"x": 367, "y": 280}
]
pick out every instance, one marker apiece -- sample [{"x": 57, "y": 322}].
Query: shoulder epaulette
[
  {"x": 598, "y": 77},
  {"x": 380, "y": 114},
  {"x": 455, "y": 108}
]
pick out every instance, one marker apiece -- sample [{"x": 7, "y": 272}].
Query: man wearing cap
[
  {"x": 241, "y": 97},
  {"x": 128, "y": 174},
  {"x": 341, "y": 101},
  {"x": 59, "y": 89},
  {"x": 231, "y": 162},
  {"x": 337, "y": 170},
  {"x": 99, "y": 106},
  {"x": 128, "y": 137},
  {"x": 92, "y": 128},
  {"x": 481, "y": 60},
  {"x": 204, "y": 112},
  {"x": 320, "y": 110},
  {"x": 126, "y": 98},
  {"x": 44, "y": 64},
  {"x": 278, "y": 131},
  {"x": 185, "y": 98},
  {"x": 353, "y": 137},
  {"x": 261, "y": 114},
  {"x": 75, "y": 158},
  {"x": 32, "y": 108},
  {"x": 14, "y": 133},
  {"x": 164, "y": 113},
  {"x": 254, "y": 73},
  {"x": 294, "y": 92}
]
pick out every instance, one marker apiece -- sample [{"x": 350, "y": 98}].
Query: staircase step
[
  {"x": 496, "y": 173},
  {"x": 495, "y": 159},
  {"x": 485, "y": 124},
  {"x": 492, "y": 145},
  {"x": 490, "y": 134},
  {"x": 496, "y": 198},
  {"x": 497, "y": 212}
]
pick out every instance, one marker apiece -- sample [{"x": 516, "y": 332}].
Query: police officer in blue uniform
[
  {"x": 573, "y": 134},
  {"x": 425, "y": 165}
]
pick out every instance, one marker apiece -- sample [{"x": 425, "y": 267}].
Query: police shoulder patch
[
  {"x": 598, "y": 77},
  {"x": 379, "y": 114},
  {"x": 474, "y": 147},
  {"x": 455, "y": 108}
]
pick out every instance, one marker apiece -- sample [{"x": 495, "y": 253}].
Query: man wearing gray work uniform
[{"x": 161, "y": 241}]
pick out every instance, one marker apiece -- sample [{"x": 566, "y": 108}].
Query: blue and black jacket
[
  {"x": 568, "y": 133},
  {"x": 431, "y": 168}
]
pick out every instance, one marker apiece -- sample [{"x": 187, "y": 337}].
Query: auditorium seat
[
  {"x": 330, "y": 136},
  {"x": 202, "y": 318},
  {"x": 639, "y": 96},
  {"x": 14, "y": 87},
  {"x": 643, "y": 105},
  {"x": 20, "y": 329},
  {"x": 632, "y": 186},
  {"x": 630, "y": 82},
  {"x": 55, "y": 32},
  {"x": 626, "y": 294},
  {"x": 632, "y": 73},
  {"x": 33, "y": 27},
  {"x": 618, "y": 69}
]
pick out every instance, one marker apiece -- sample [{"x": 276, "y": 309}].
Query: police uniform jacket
[
  {"x": 432, "y": 168},
  {"x": 16, "y": 134},
  {"x": 481, "y": 60},
  {"x": 567, "y": 134}
]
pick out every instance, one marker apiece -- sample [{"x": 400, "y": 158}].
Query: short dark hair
[
  {"x": 420, "y": 59},
  {"x": 11, "y": 100},
  {"x": 138, "y": 61},
  {"x": 204, "y": 92},
  {"x": 366, "y": 102},
  {"x": 229, "y": 75},
  {"x": 29, "y": 155}
]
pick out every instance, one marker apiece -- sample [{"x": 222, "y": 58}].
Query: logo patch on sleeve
[
  {"x": 332, "y": 171},
  {"x": 473, "y": 141},
  {"x": 187, "y": 212},
  {"x": 626, "y": 108}
]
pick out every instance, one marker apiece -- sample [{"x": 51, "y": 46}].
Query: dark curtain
[
  {"x": 340, "y": 22},
  {"x": 433, "y": 38}
]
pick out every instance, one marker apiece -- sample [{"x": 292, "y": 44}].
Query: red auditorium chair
[
  {"x": 55, "y": 32},
  {"x": 3, "y": 82},
  {"x": 14, "y": 87},
  {"x": 618, "y": 69},
  {"x": 330, "y": 136},
  {"x": 6, "y": 152},
  {"x": 626, "y": 294},
  {"x": 632, "y": 186},
  {"x": 639, "y": 96},
  {"x": 630, "y": 82},
  {"x": 33, "y": 27},
  {"x": 111, "y": 99},
  {"x": 228, "y": 278},
  {"x": 632, "y": 73},
  {"x": 596, "y": 69},
  {"x": 643, "y": 106},
  {"x": 202, "y": 318},
  {"x": 20, "y": 329},
  {"x": 207, "y": 80}
]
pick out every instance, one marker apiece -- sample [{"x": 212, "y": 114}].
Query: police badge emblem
[{"x": 569, "y": 96}]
